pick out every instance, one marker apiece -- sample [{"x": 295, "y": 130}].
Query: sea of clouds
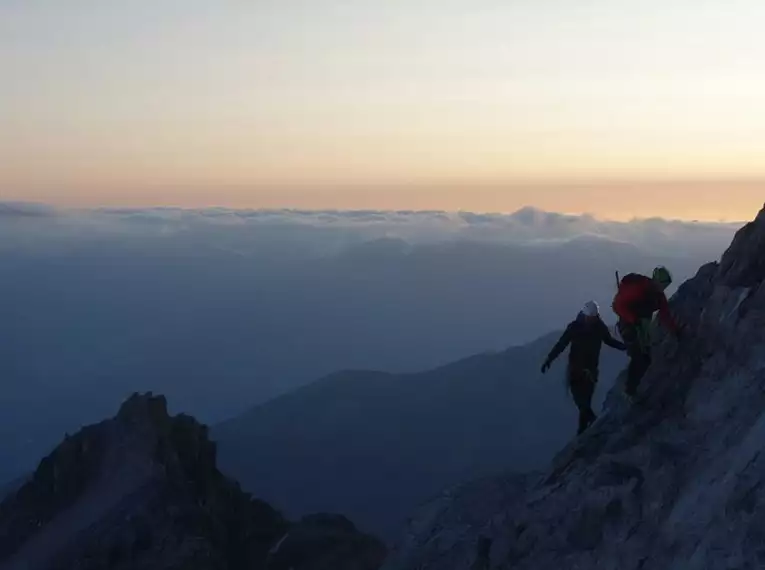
[{"x": 331, "y": 231}]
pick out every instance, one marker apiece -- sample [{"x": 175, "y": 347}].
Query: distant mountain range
[
  {"x": 373, "y": 445},
  {"x": 221, "y": 326},
  {"x": 88, "y": 322}
]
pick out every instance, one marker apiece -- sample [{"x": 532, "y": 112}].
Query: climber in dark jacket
[{"x": 585, "y": 335}]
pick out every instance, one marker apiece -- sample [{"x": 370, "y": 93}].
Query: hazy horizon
[
  {"x": 713, "y": 216},
  {"x": 594, "y": 107}
]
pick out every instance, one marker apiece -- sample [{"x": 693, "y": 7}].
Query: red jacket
[{"x": 639, "y": 297}]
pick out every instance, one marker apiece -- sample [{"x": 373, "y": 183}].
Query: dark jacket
[{"x": 586, "y": 338}]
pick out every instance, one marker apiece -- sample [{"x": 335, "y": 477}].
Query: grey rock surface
[{"x": 676, "y": 480}]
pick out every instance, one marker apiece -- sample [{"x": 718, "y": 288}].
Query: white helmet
[{"x": 591, "y": 309}]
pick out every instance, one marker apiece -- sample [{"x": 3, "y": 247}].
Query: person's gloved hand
[{"x": 545, "y": 367}]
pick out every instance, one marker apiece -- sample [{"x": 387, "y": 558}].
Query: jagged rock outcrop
[
  {"x": 674, "y": 481},
  {"x": 142, "y": 491}
]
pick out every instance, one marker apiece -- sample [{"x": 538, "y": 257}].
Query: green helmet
[{"x": 662, "y": 276}]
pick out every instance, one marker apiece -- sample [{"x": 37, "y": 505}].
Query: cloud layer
[{"x": 331, "y": 231}]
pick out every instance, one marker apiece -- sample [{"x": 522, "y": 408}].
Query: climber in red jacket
[{"x": 638, "y": 298}]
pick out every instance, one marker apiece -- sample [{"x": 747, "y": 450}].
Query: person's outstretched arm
[
  {"x": 665, "y": 315},
  {"x": 559, "y": 347},
  {"x": 609, "y": 340}
]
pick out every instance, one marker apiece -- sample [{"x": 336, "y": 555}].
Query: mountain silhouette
[
  {"x": 373, "y": 445},
  {"x": 142, "y": 491}
]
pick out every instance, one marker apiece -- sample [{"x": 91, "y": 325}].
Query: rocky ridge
[
  {"x": 142, "y": 491},
  {"x": 675, "y": 481}
]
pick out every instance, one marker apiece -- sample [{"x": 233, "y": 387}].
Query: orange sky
[
  {"x": 391, "y": 105},
  {"x": 734, "y": 200}
]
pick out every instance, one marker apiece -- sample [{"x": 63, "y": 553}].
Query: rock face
[
  {"x": 142, "y": 491},
  {"x": 675, "y": 481}
]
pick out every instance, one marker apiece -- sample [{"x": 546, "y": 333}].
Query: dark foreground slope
[
  {"x": 676, "y": 481},
  {"x": 373, "y": 446},
  {"x": 142, "y": 491}
]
